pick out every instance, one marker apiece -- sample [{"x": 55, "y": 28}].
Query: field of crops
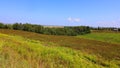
[{"x": 56, "y": 51}]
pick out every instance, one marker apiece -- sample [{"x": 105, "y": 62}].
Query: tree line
[
  {"x": 105, "y": 28},
  {"x": 67, "y": 30}
]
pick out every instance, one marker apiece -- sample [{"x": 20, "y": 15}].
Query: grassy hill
[
  {"x": 18, "y": 52},
  {"x": 20, "y": 49},
  {"x": 110, "y": 37}
]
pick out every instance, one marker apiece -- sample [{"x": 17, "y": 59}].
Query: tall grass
[
  {"x": 19, "y": 52},
  {"x": 109, "y": 51}
]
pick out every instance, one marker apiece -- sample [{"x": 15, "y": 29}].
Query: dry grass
[
  {"x": 19, "y": 52},
  {"x": 106, "y": 50}
]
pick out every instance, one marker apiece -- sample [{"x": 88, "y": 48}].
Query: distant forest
[
  {"x": 66, "y": 30},
  {"x": 106, "y": 29}
]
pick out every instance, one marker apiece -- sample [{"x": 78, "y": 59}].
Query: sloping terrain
[
  {"x": 110, "y": 37},
  {"x": 20, "y": 49},
  {"x": 108, "y": 51},
  {"x": 19, "y": 52}
]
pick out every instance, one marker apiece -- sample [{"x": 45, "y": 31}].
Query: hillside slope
[
  {"x": 109, "y": 51},
  {"x": 19, "y": 52},
  {"x": 111, "y": 37}
]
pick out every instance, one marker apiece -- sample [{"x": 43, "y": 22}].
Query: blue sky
[{"x": 61, "y": 12}]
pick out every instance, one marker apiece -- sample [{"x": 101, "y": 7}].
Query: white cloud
[
  {"x": 77, "y": 19},
  {"x": 70, "y": 19}
]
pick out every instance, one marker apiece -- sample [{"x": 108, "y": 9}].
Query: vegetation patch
[
  {"x": 111, "y": 37},
  {"x": 109, "y": 51},
  {"x": 17, "y": 52},
  {"x": 68, "y": 30},
  {"x": 100, "y": 53}
]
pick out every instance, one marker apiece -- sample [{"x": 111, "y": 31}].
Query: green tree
[
  {"x": 1, "y": 25},
  {"x": 18, "y": 26}
]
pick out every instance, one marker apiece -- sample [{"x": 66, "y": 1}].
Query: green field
[
  {"x": 105, "y": 37},
  {"x": 20, "y": 49}
]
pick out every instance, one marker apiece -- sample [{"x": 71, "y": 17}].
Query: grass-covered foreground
[
  {"x": 109, "y": 51},
  {"x": 19, "y": 52}
]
